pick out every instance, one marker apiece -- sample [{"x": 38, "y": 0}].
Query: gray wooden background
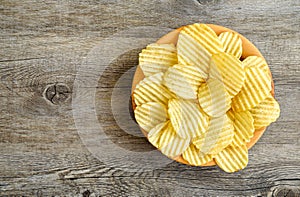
[{"x": 43, "y": 45}]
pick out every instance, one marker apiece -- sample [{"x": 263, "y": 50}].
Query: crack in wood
[
  {"x": 205, "y": 2},
  {"x": 24, "y": 59}
]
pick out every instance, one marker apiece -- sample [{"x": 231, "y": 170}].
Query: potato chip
[
  {"x": 150, "y": 114},
  {"x": 232, "y": 159},
  {"x": 155, "y": 133},
  {"x": 256, "y": 88},
  {"x": 190, "y": 52},
  {"x": 265, "y": 112},
  {"x": 151, "y": 89},
  {"x": 184, "y": 81},
  {"x": 213, "y": 98},
  {"x": 187, "y": 118},
  {"x": 243, "y": 128},
  {"x": 232, "y": 43},
  {"x": 205, "y": 36},
  {"x": 218, "y": 136},
  {"x": 230, "y": 114},
  {"x": 255, "y": 61},
  {"x": 172, "y": 144},
  {"x": 161, "y": 47},
  {"x": 195, "y": 157},
  {"x": 157, "y": 58},
  {"x": 228, "y": 69}
]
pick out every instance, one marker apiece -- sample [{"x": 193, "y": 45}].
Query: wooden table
[{"x": 45, "y": 72}]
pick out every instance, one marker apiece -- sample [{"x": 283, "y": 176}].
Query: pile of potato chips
[{"x": 199, "y": 100}]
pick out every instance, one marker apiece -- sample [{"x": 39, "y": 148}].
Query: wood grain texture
[{"x": 43, "y": 43}]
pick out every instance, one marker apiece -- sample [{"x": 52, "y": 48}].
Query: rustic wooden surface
[{"x": 43, "y": 43}]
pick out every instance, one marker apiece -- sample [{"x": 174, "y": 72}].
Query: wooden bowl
[{"x": 248, "y": 50}]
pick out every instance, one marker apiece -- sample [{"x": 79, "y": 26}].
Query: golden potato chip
[
  {"x": 256, "y": 88},
  {"x": 172, "y": 144},
  {"x": 232, "y": 43},
  {"x": 194, "y": 157},
  {"x": 230, "y": 114},
  {"x": 187, "y": 118},
  {"x": 157, "y": 58},
  {"x": 228, "y": 69},
  {"x": 232, "y": 159},
  {"x": 155, "y": 133},
  {"x": 205, "y": 36},
  {"x": 150, "y": 114},
  {"x": 190, "y": 52},
  {"x": 243, "y": 128},
  {"x": 151, "y": 89},
  {"x": 218, "y": 136},
  {"x": 184, "y": 80},
  {"x": 265, "y": 112},
  {"x": 213, "y": 98},
  {"x": 255, "y": 61},
  {"x": 161, "y": 47}
]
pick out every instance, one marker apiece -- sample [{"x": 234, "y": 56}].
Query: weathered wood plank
[{"x": 44, "y": 43}]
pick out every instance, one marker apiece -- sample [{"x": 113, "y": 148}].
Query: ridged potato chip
[
  {"x": 187, "y": 118},
  {"x": 255, "y": 61},
  {"x": 213, "y": 98},
  {"x": 155, "y": 133},
  {"x": 171, "y": 144},
  {"x": 230, "y": 114},
  {"x": 228, "y": 69},
  {"x": 232, "y": 43},
  {"x": 161, "y": 47},
  {"x": 218, "y": 136},
  {"x": 256, "y": 88},
  {"x": 243, "y": 128},
  {"x": 157, "y": 58},
  {"x": 184, "y": 80},
  {"x": 151, "y": 89},
  {"x": 265, "y": 112},
  {"x": 205, "y": 36},
  {"x": 190, "y": 52},
  {"x": 232, "y": 159},
  {"x": 150, "y": 114},
  {"x": 195, "y": 157}
]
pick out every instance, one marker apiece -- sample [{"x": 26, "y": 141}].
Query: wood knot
[
  {"x": 286, "y": 192},
  {"x": 86, "y": 193},
  {"x": 57, "y": 93}
]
